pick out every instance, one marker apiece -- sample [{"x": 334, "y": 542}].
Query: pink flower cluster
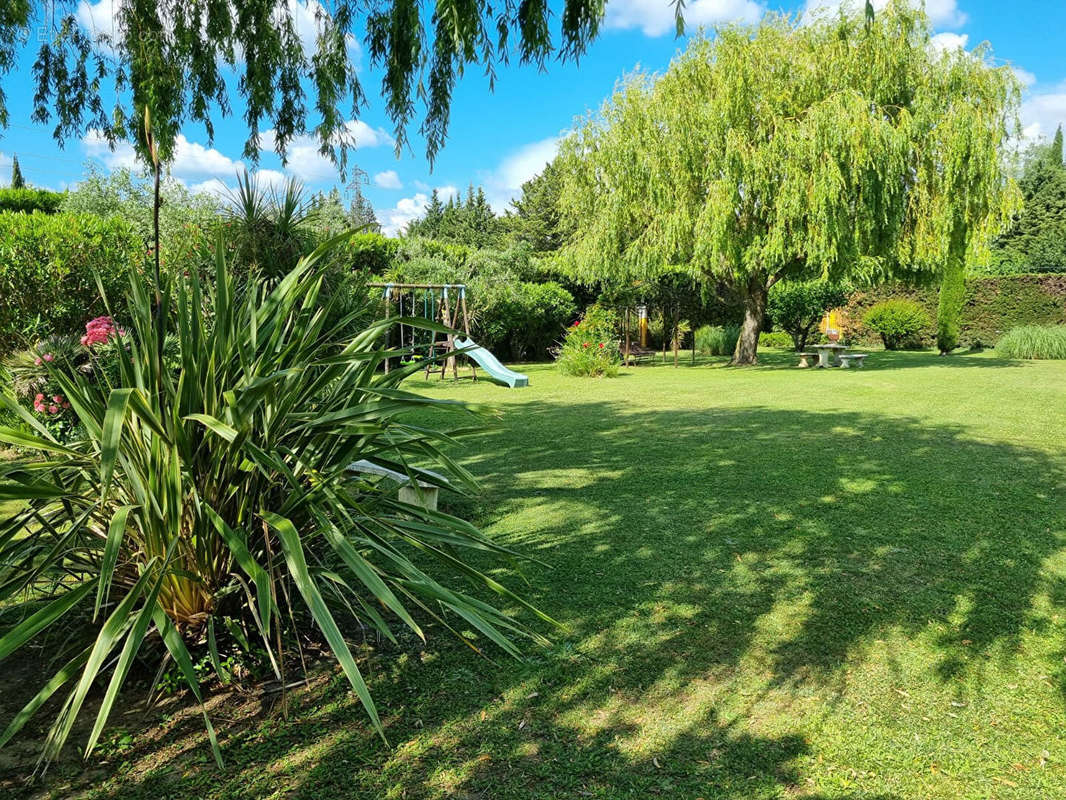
[
  {"x": 41, "y": 403},
  {"x": 46, "y": 357},
  {"x": 99, "y": 330}
]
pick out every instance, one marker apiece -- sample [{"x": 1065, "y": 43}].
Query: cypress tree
[{"x": 17, "y": 181}]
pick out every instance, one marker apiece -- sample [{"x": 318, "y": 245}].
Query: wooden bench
[
  {"x": 636, "y": 354},
  {"x": 424, "y": 495},
  {"x": 847, "y": 358},
  {"x": 804, "y": 363}
]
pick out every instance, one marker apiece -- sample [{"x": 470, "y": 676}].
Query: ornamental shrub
[
  {"x": 371, "y": 253},
  {"x": 775, "y": 339},
  {"x": 49, "y": 264},
  {"x": 590, "y": 347},
  {"x": 949, "y": 306},
  {"x": 523, "y": 320},
  {"x": 897, "y": 321},
  {"x": 1033, "y": 342},
  {"x": 717, "y": 340}
]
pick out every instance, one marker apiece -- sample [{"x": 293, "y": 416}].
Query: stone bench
[
  {"x": 804, "y": 363},
  {"x": 424, "y": 495},
  {"x": 846, "y": 360}
]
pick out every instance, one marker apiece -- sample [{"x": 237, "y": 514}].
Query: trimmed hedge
[
  {"x": 47, "y": 268},
  {"x": 30, "y": 200},
  {"x": 991, "y": 307}
]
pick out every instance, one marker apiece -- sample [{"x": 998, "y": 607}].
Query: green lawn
[{"x": 775, "y": 584}]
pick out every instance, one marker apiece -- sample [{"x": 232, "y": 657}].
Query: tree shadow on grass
[{"x": 725, "y": 577}]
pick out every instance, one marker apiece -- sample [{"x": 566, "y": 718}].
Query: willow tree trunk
[{"x": 754, "y": 294}]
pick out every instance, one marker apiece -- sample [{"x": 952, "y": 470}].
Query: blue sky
[{"x": 500, "y": 139}]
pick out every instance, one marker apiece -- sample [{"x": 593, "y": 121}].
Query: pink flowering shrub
[
  {"x": 33, "y": 372},
  {"x": 100, "y": 331}
]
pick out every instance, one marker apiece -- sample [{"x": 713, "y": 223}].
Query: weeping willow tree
[{"x": 849, "y": 147}]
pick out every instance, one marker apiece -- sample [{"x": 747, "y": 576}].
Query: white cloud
[
  {"x": 656, "y": 17},
  {"x": 213, "y": 186},
  {"x": 193, "y": 159},
  {"x": 308, "y": 164},
  {"x": 949, "y": 41},
  {"x": 269, "y": 179},
  {"x": 5, "y": 164},
  {"x": 1042, "y": 112},
  {"x": 388, "y": 180},
  {"x": 96, "y": 146},
  {"x": 397, "y": 218},
  {"x": 195, "y": 162},
  {"x": 505, "y": 182},
  {"x": 100, "y": 19},
  {"x": 942, "y": 13}
]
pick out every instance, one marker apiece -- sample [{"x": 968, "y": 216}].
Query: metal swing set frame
[{"x": 444, "y": 311}]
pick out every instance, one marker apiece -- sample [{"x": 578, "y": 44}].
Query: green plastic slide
[{"x": 496, "y": 371}]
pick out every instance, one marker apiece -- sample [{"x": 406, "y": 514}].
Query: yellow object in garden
[{"x": 831, "y": 321}]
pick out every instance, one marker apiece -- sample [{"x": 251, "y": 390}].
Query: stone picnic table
[{"x": 829, "y": 354}]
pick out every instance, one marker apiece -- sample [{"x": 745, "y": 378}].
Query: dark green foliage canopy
[
  {"x": 1037, "y": 239},
  {"x": 535, "y": 218},
  {"x": 471, "y": 221},
  {"x": 176, "y": 57}
]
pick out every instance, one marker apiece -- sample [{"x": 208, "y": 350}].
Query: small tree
[
  {"x": 17, "y": 181},
  {"x": 798, "y": 307},
  {"x": 361, "y": 214}
]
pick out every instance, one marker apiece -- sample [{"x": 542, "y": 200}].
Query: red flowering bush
[{"x": 590, "y": 348}]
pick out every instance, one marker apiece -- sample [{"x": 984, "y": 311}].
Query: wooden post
[
  {"x": 626, "y": 323},
  {"x": 665, "y": 340},
  {"x": 677, "y": 333}
]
